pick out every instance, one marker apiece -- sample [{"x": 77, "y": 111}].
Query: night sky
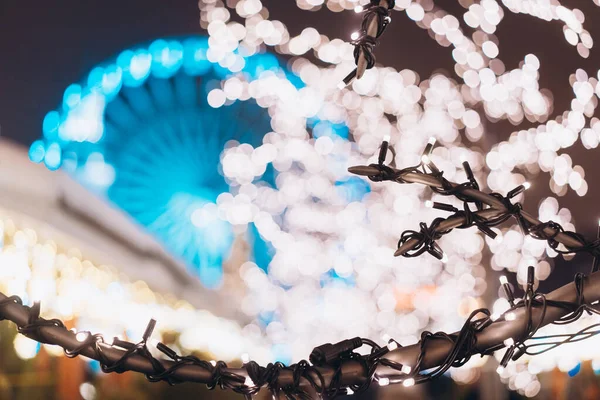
[{"x": 47, "y": 45}]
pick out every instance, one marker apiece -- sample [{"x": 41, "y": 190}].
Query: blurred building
[{"x": 58, "y": 207}]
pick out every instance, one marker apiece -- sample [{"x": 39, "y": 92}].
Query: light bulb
[
  {"x": 82, "y": 336},
  {"x": 392, "y": 346},
  {"x": 409, "y": 382},
  {"x": 526, "y": 185},
  {"x": 386, "y": 138},
  {"x": 341, "y": 85},
  {"x": 500, "y": 370},
  {"x": 503, "y": 280},
  {"x": 429, "y": 204},
  {"x": 245, "y": 358},
  {"x": 431, "y": 140},
  {"x": 445, "y": 258},
  {"x": 213, "y": 363},
  {"x": 358, "y": 9},
  {"x": 510, "y": 316},
  {"x": 349, "y": 392},
  {"x": 425, "y": 159},
  {"x": 406, "y": 369},
  {"x": 354, "y": 35},
  {"x": 509, "y": 342},
  {"x": 383, "y": 381},
  {"x": 248, "y": 381}
]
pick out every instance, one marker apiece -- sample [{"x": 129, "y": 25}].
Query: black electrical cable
[
  {"x": 341, "y": 369},
  {"x": 415, "y": 243},
  {"x": 365, "y": 43}
]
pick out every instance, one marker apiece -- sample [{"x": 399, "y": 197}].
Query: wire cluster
[
  {"x": 325, "y": 375},
  {"x": 526, "y": 342},
  {"x": 365, "y": 43},
  {"x": 256, "y": 376},
  {"x": 491, "y": 209}
]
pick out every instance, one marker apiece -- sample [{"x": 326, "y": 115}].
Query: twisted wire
[
  {"x": 493, "y": 209},
  {"x": 376, "y": 18},
  {"x": 327, "y": 380}
]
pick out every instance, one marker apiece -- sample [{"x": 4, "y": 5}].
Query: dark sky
[{"x": 46, "y": 45}]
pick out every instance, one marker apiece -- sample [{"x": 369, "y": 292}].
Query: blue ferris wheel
[{"x": 141, "y": 131}]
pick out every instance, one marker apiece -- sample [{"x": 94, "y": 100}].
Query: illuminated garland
[
  {"x": 337, "y": 368},
  {"x": 376, "y": 18},
  {"x": 334, "y": 366}
]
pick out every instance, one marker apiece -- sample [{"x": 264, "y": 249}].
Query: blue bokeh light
[
  {"x": 53, "y": 157},
  {"x": 167, "y": 57},
  {"x": 329, "y": 129},
  {"x": 50, "y": 125},
  {"x": 72, "y": 96},
  {"x": 353, "y": 188},
  {"x": 37, "y": 151},
  {"x": 574, "y": 371},
  {"x": 140, "y": 132}
]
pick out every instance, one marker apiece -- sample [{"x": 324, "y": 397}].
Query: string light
[
  {"x": 245, "y": 358},
  {"x": 383, "y": 381},
  {"x": 408, "y": 382},
  {"x": 209, "y": 18},
  {"x": 463, "y": 343}
]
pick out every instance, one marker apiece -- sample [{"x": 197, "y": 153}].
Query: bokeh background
[{"x": 137, "y": 199}]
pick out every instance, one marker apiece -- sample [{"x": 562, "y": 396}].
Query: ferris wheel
[{"x": 147, "y": 130}]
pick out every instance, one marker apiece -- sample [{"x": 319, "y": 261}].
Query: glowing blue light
[
  {"x": 262, "y": 250},
  {"x": 575, "y": 370},
  {"x": 141, "y": 133},
  {"x": 167, "y": 57},
  {"x": 50, "y": 125},
  {"x": 211, "y": 275},
  {"x": 37, "y": 151},
  {"x": 53, "y": 157},
  {"x": 95, "y": 77},
  {"x": 353, "y": 188},
  {"x": 195, "y": 61},
  {"x": 112, "y": 80},
  {"x": 326, "y": 128},
  {"x": 135, "y": 66},
  {"x": 69, "y": 161},
  {"x": 259, "y": 63},
  {"x": 94, "y": 366},
  {"x": 72, "y": 96},
  {"x": 331, "y": 277}
]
